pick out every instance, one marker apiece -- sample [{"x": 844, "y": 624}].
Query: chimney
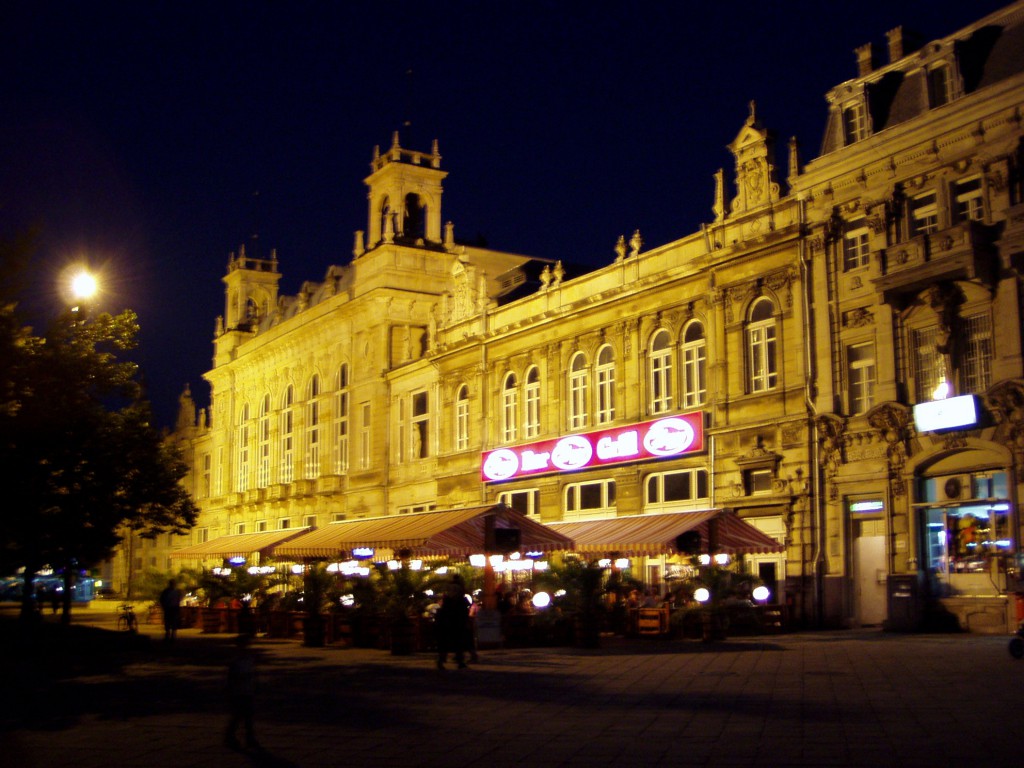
[
  {"x": 865, "y": 59},
  {"x": 895, "y": 38}
]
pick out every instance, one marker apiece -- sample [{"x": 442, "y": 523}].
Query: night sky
[{"x": 152, "y": 138}]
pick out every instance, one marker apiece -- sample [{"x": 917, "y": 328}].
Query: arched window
[
  {"x": 385, "y": 216},
  {"x": 605, "y": 385},
  {"x": 341, "y": 407},
  {"x": 694, "y": 365},
  {"x": 532, "y": 421},
  {"x": 510, "y": 409},
  {"x": 263, "y": 444},
  {"x": 578, "y": 391},
  {"x": 288, "y": 435},
  {"x": 462, "y": 418},
  {"x": 762, "y": 363},
  {"x": 313, "y": 428},
  {"x": 415, "y": 224},
  {"x": 243, "y": 448},
  {"x": 661, "y": 372}
]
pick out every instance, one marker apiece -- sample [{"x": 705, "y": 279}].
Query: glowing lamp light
[
  {"x": 362, "y": 553},
  {"x": 416, "y": 565},
  {"x": 348, "y": 600},
  {"x": 701, "y": 595},
  {"x": 540, "y": 565},
  {"x": 297, "y": 570},
  {"x": 497, "y": 559},
  {"x": 514, "y": 556},
  {"x": 604, "y": 563},
  {"x": 442, "y": 570},
  {"x": 541, "y": 600},
  {"x": 941, "y": 391},
  {"x": 83, "y": 285},
  {"x": 394, "y": 565},
  {"x": 560, "y": 593},
  {"x": 721, "y": 559},
  {"x": 477, "y": 561},
  {"x": 622, "y": 563},
  {"x": 704, "y": 559},
  {"x": 761, "y": 593}
]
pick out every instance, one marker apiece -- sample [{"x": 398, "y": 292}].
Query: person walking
[
  {"x": 170, "y": 603},
  {"x": 242, "y": 695},
  {"x": 452, "y": 620}
]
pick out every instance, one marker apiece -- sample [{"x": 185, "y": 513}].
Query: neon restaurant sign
[{"x": 661, "y": 438}]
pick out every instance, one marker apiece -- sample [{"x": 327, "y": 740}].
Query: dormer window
[
  {"x": 854, "y": 122},
  {"x": 940, "y": 90}
]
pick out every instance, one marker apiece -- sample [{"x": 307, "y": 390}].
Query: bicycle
[{"x": 127, "y": 622}]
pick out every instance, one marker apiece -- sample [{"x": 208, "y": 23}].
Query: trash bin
[{"x": 905, "y": 599}]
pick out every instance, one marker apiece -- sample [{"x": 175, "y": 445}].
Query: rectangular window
[
  {"x": 525, "y": 502},
  {"x": 239, "y": 528},
  {"x": 364, "y": 437},
  {"x": 531, "y": 424},
  {"x": 694, "y": 374},
  {"x": 927, "y": 363},
  {"x": 420, "y": 428},
  {"x": 856, "y": 250},
  {"x": 594, "y": 498},
  {"x": 261, "y": 526},
  {"x": 403, "y": 432},
  {"x": 677, "y": 488},
  {"x": 202, "y": 535},
  {"x": 605, "y": 390},
  {"x": 309, "y": 521},
  {"x": 977, "y": 356},
  {"x": 462, "y": 421},
  {"x": 860, "y": 362},
  {"x": 924, "y": 214},
  {"x": 287, "y": 444},
  {"x": 313, "y": 439},
  {"x": 759, "y": 481},
  {"x": 854, "y": 124},
  {"x": 762, "y": 358},
  {"x": 285, "y": 523},
  {"x": 661, "y": 381},
  {"x": 510, "y": 415},
  {"x": 341, "y": 433},
  {"x": 206, "y": 488},
  {"x": 578, "y": 399},
  {"x": 967, "y": 197},
  {"x": 219, "y": 472}
]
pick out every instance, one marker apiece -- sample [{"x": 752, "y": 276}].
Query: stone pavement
[{"x": 852, "y": 698}]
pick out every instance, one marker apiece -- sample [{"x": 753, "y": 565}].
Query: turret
[{"x": 404, "y": 197}]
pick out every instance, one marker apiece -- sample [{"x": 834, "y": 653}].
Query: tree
[{"x": 79, "y": 454}]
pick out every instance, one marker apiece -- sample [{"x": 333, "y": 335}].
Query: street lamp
[{"x": 84, "y": 287}]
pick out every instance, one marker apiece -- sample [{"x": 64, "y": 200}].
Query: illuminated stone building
[{"x": 767, "y": 364}]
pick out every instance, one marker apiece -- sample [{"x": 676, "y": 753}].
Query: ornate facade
[{"x": 801, "y": 326}]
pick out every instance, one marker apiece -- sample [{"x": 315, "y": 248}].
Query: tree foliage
[{"x": 79, "y": 455}]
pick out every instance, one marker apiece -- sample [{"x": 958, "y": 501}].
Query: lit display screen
[{"x": 950, "y": 413}]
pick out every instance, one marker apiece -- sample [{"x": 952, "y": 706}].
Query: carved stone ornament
[
  {"x": 892, "y": 421},
  {"x": 858, "y": 317},
  {"x": 1005, "y": 401}
]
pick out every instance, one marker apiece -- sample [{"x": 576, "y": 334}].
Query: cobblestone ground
[{"x": 854, "y": 698}]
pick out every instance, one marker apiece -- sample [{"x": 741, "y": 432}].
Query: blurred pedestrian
[
  {"x": 452, "y": 621},
  {"x": 170, "y": 603},
  {"x": 242, "y": 695}
]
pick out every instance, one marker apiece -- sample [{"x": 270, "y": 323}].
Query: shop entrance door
[{"x": 870, "y": 570}]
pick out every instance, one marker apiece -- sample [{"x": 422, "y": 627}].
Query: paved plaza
[{"x": 853, "y": 698}]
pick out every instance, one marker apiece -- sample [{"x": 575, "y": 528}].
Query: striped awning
[
  {"x": 238, "y": 545},
  {"x": 656, "y": 534},
  {"x": 454, "y": 532}
]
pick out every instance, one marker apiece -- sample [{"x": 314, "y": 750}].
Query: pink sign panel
[{"x": 669, "y": 436}]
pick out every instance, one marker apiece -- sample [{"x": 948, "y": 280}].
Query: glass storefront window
[{"x": 960, "y": 538}]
